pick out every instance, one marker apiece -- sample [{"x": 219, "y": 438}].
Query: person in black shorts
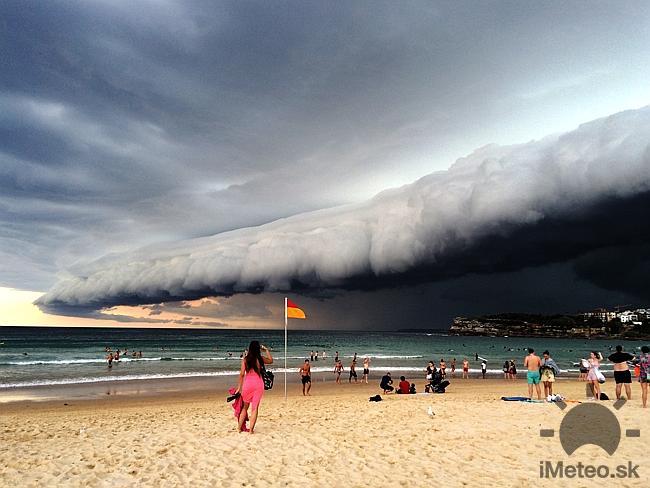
[
  {"x": 353, "y": 370},
  {"x": 305, "y": 377},
  {"x": 622, "y": 375}
]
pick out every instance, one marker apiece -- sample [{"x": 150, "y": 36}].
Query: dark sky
[{"x": 129, "y": 130}]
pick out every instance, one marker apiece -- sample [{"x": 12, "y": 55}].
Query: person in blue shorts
[{"x": 533, "y": 364}]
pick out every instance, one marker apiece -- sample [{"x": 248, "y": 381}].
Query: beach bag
[
  {"x": 267, "y": 377},
  {"x": 600, "y": 376}
]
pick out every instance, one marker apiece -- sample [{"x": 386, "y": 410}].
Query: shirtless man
[
  {"x": 353, "y": 369},
  {"x": 622, "y": 375},
  {"x": 533, "y": 363},
  {"x": 338, "y": 369},
  {"x": 305, "y": 376},
  {"x": 465, "y": 368},
  {"x": 366, "y": 369}
]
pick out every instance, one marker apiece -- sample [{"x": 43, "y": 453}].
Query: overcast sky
[{"x": 131, "y": 124}]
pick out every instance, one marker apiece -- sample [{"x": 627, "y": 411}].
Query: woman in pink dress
[
  {"x": 592, "y": 377},
  {"x": 251, "y": 384}
]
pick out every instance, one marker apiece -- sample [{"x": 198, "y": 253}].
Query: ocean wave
[{"x": 103, "y": 361}]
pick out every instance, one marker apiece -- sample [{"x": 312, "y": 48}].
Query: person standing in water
[
  {"x": 465, "y": 369},
  {"x": 453, "y": 367},
  {"x": 251, "y": 384}
]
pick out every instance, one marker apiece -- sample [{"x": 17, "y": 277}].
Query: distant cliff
[{"x": 525, "y": 325}]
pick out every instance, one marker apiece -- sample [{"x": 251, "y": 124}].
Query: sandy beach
[{"x": 335, "y": 437}]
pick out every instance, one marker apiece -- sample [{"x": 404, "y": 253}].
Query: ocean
[{"x": 31, "y": 356}]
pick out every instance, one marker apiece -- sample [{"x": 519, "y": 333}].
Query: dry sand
[{"x": 333, "y": 438}]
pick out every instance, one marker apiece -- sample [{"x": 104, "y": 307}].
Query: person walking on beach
[
  {"x": 592, "y": 375},
  {"x": 465, "y": 369},
  {"x": 251, "y": 384},
  {"x": 353, "y": 369},
  {"x": 549, "y": 370},
  {"x": 366, "y": 369},
  {"x": 644, "y": 373},
  {"x": 533, "y": 363},
  {"x": 453, "y": 367},
  {"x": 338, "y": 369},
  {"x": 305, "y": 377},
  {"x": 622, "y": 375},
  {"x": 483, "y": 368}
]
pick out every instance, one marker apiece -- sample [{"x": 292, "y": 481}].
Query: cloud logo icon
[{"x": 590, "y": 423}]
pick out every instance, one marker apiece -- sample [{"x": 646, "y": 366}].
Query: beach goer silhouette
[{"x": 251, "y": 384}]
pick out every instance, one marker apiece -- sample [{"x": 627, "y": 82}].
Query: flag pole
[{"x": 285, "y": 348}]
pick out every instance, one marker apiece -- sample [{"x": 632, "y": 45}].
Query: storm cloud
[{"x": 502, "y": 208}]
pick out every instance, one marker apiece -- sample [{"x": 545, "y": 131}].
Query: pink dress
[{"x": 252, "y": 389}]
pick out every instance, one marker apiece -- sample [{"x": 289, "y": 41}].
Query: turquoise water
[{"x": 56, "y": 356}]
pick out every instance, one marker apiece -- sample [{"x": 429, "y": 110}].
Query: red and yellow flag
[{"x": 293, "y": 312}]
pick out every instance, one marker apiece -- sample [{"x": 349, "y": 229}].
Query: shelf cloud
[{"x": 577, "y": 195}]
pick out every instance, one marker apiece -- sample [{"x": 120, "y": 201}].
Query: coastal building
[
  {"x": 601, "y": 314},
  {"x": 628, "y": 317}
]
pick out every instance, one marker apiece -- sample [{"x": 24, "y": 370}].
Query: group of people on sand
[
  {"x": 403, "y": 388},
  {"x": 339, "y": 369},
  {"x": 544, "y": 370},
  {"x": 117, "y": 355}
]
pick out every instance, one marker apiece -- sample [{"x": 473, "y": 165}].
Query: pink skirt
[{"x": 252, "y": 389}]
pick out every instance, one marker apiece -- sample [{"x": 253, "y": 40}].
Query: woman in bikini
[{"x": 251, "y": 384}]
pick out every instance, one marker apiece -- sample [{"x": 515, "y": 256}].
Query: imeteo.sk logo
[{"x": 589, "y": 423}]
